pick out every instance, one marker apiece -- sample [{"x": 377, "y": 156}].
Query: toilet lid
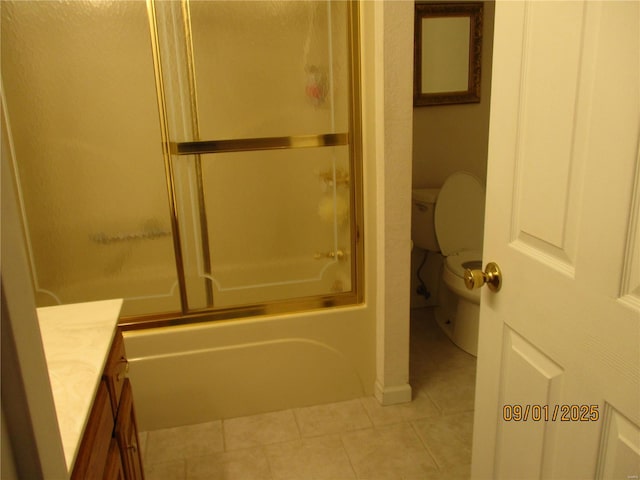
[{"x": 459, "y": 214}]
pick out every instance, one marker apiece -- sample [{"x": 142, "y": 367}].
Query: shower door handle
[
  {"x": 492, "y": 277},
  {"x": 339, "y": 254}
]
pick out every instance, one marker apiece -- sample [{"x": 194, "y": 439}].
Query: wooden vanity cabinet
[
  {"x": 94, "y": 448},
  {"x": 126, "y": 434},
  {"x": 114, "y": 470},
  {"x": 109, "y": 448},
  {"x": 115, "y": 371}
]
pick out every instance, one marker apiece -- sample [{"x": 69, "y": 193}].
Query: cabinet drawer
[
  {"x": 116, "y": 371},
  {"x": 92, "y": 455}
]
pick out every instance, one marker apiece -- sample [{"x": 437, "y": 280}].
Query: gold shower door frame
[{"x": 197, "y": 148}]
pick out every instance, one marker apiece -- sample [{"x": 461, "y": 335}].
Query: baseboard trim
[{"x": 393, "y": 395}]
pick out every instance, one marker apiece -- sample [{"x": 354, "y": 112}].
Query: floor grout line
[{"x": 426, "y": 447}]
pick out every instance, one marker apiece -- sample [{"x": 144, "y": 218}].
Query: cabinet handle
[{"x": 123, "y": 375}]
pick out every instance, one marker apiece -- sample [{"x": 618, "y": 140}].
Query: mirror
[{"x": 447, "y": 53}]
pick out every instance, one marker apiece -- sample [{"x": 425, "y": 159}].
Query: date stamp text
[{"x": 550, "y": 413}]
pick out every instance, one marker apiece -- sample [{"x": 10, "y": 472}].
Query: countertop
[{"x": 76, "y": 340}]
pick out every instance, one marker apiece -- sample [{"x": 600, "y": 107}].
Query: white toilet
[{"x": 450, "y": 220}]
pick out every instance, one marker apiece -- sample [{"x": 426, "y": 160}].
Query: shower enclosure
[{"x": 209, "y": 170}]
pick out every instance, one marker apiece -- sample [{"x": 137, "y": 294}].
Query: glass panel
[
  {"x": 267, "y": 225},
  {"x": 278, "y": 224},
  {"x": 194, "y": 243},
  {"x": 80, "y": 94},
  {"x": 270, "y": 68}
]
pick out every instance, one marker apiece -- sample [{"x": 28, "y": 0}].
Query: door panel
[
  {"x": 560, "y": 343},
  {"x": 292, "y": 217},
  {"x": 530, "y": 378},
  {"x": 620, "y": 446},
  {"x": 545, "y": 162}
]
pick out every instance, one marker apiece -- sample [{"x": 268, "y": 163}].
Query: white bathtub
[
  {"x": 227, "y": 368},
  {"x": 201, "y": 372}
]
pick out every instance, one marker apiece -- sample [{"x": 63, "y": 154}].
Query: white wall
[
  {"x": 450, "y": 138},
  {"x": 27, "y": 401},
  {"x": 388, "y": 54}
]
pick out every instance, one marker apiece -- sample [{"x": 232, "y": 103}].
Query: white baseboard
[{"x": 393, "y": 395}]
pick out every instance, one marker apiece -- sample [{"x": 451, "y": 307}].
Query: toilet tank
[{"x": 423, "y": 232}]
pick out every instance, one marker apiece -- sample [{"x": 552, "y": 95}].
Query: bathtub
[
  {"x": 199, "y": 372},
  {"x": 196, "y": 373}
]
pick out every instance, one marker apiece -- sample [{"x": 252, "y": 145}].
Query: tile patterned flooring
[{"x": 429, "y": 438}]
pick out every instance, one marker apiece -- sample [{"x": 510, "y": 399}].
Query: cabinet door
[
  {"x": 115, "y": 371},
  {"x": 126, "y": 434},
  {"x": 94, "y": 448},
  {"x": 114, "y": 469}
]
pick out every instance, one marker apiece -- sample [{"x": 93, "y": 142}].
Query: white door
[{"x": 558, "y": 384}]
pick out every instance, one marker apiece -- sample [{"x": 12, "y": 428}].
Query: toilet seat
[
  {"x": 459, "y": 214},
  {"x": 459, "y": 227},
  {"x": 460, "y": 261}
]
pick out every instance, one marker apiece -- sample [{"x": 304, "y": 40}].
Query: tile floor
[{"x": 429, "y": 438}]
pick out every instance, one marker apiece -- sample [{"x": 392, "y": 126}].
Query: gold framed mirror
[{"x": 447, "y": 53}]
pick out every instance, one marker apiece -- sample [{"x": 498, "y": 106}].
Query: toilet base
[{"x": 459, "y": 319}]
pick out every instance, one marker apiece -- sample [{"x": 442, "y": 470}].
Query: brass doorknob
[{"x": 492, "y": 276}]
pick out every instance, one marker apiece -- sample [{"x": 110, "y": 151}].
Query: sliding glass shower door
[
  {"x": 244, "y": 198},
  {"x": 80, "y": 111},
  {"x": 267, "y": 139}
]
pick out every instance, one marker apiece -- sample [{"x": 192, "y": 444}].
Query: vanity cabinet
[
  {"x": 113, "y": 469},
  {"x": 115, "y": 371},
  {"x": 109, "y": 447},
  {"x": 126, "y": 435},
  {"x": 94, "y": 448}
]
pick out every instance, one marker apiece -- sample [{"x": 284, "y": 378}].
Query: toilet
[{"x": 450, "y": 220}]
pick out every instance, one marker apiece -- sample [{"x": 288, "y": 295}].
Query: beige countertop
[{"x": 76, "y": 340}]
